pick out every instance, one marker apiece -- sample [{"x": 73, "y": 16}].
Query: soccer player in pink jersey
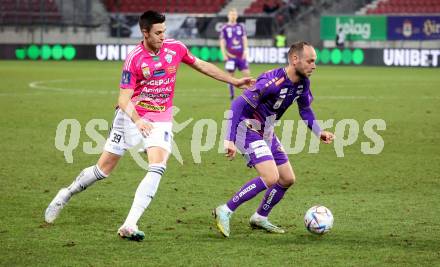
[{"x": 144, "y": 114}]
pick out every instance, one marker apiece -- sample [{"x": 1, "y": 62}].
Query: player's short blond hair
[{"x": 297, "y": 48}]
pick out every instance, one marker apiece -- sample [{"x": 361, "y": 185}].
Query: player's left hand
[
  {"x": 326, "y": 137},
  {"x": 244, "y": 82},
  {"x": 230, "y": 149}
]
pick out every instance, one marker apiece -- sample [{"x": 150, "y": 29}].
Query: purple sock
[
  {"x": 248, "y": 191},
  {"x": 273, "y": 195},
  {"x": 231, "y": 90}
]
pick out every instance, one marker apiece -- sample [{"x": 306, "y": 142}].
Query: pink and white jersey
[{"x": 153, "y": 78}]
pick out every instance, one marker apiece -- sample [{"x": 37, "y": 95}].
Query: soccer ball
[{"x": 318, "y": 220}]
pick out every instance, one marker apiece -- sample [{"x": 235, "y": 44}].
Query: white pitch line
[{"x": 42, "y": 85}]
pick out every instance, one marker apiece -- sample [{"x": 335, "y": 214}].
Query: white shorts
[{"x": 124, "y": 135}]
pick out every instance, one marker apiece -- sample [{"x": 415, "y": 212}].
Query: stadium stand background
[
  {"x": 88, "y": 21},
  {"x": 91, "y": 21}
]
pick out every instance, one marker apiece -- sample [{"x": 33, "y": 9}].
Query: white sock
[
  {"x": 86, "y": 178},
  {"x": 145, "y": 193},
  {"x": 226, "y": 208},
  {"x": 259, "y": 217}
]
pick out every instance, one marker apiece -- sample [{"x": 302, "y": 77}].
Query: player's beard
[{"x": 300, "y": 73}]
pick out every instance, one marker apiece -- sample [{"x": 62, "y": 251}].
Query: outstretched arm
[
  {"x": 223, "y": 49},
  {"x": 213, "y": 71},
  {"x": 308, "y": 117},
  {"x": 246, "y": 48}
]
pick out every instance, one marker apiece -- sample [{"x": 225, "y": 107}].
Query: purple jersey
[
  {"x": 233, "y": 35},
  {"x": 260, "y": 106}
]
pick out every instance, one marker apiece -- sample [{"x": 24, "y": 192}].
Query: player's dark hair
[
  {"x": 297, "y": 48},
  {"x": 150, "y": 17}
]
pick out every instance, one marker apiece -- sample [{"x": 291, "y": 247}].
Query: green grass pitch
[{"x": 386, "y": 206}]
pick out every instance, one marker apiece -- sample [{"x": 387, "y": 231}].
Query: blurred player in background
[
  {"x": 234, "y": 47},
  {"x": 252, "y": 131},
  {"x": 144, "y": 114}
]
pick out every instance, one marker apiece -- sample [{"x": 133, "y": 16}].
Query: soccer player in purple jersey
[
  {"x": 251, "y": 130},
  {"x": 143, "y": 116},
  {"x": 234, "y": 47}
]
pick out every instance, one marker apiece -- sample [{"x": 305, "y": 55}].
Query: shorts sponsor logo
[
  {"x": 126, "y": 77},
  {"x": 246, "y": 190},
  {"x": 230, "y": 65},
  {"x": 257, "y": 144},
  {"x": 151, "y": 107},
  {"x": 262, "y": 151}
]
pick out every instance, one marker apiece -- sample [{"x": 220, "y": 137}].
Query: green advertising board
[
  {"x": 337, "y": 56},
  {"x": 366, "y": 28},
  {"x": 46, "y": 52}
]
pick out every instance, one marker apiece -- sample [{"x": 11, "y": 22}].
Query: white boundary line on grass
[{"x": 42, "y": 85}]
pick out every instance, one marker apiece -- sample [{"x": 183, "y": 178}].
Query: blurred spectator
[
  {"x": 306, "y": 2},
  {"x": 292, "y": 5},
  {"x": 280, "y": 39},
  {"x": 340, "y": 38},
  {"x": 270, "y": 7}
]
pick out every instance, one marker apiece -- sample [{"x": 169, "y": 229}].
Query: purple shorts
[
  {"x": 236, "y": 63},
  {"x": 256, "y": 149}
]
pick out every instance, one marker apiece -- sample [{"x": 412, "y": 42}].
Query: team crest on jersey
[
  {"x": 168, "y": 58},
  {"x": 145, "y": 70}
]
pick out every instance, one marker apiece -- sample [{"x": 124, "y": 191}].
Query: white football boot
[{"x": 57, "y": 204}]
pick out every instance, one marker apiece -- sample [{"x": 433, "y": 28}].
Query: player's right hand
[
  {"x": 327, "y": 137},
  {"x": 230, "y": 149},
  {"x": 244, "y": 82},
  {"x": 144, "y": 127}
]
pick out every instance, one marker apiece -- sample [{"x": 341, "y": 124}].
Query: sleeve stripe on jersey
[
  {"x": 131, "y": 56},
  {"x": 172, "y": 41},
  {"x": 248, "y": 101}
]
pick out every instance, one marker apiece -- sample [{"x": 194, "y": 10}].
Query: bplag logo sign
[{"x": 354, "y": 28}]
